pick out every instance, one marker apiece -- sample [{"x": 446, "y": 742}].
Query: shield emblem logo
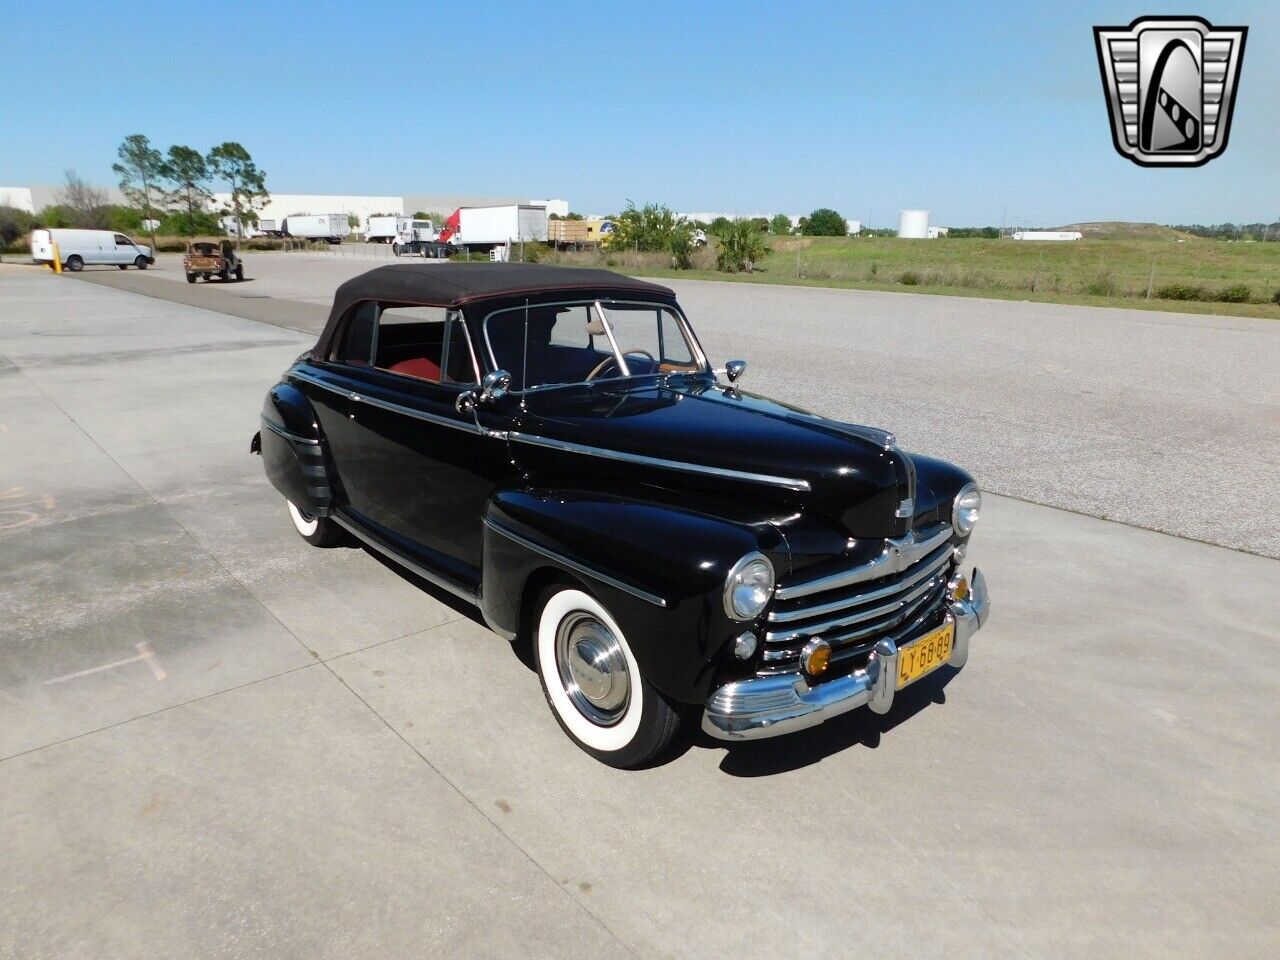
[{"x": 1170, "y": 84}]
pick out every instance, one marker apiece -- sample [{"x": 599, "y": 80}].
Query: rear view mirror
[{"x": 735, "y": 369}]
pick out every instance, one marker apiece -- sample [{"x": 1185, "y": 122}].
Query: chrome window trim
[
  {"x": 898, "y": 555},
  {"x": 396, "y": 407},
  {"x": 786, "y": 483},
  {"x": 685, "y": 327},
  {"x": 574, "y": 565},
  {"x": 277, "y": 428}
]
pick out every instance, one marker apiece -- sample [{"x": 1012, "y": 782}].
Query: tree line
[{"x": 169, "y": 193}]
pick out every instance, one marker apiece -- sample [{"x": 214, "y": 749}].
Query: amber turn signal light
[
  {"x": 815, "y": 657},
  {"x": 958, "y": 588}
]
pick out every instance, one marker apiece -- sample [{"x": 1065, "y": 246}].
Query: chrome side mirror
[
  {"x": 735, "y": 369},
  {"x": 493, "y": 386}
]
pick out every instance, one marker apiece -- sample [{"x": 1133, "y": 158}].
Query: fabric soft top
[{"x": 456, "y": 284}]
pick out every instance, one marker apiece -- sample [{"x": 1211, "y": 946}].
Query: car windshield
[{"x": 543, "y": 345}]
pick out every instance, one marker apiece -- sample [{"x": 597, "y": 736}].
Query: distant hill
[{"x": 1124, "y": 230}]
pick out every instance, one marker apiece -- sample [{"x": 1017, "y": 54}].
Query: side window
[
  {"x": 572, "y": 328},
  {"x": 356, "y": 344},
  {"x": 123, "y": 241},
  {"x": 427, "y": 343}
]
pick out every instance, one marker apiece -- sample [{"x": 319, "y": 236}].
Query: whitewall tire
[
  {"x": 317, "y": 531},
  {"x": 593, "y": 683}
]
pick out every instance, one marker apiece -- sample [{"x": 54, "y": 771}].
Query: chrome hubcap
[{"x": 593, "y": 668}]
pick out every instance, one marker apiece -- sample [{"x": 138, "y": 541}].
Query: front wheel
[
  {"x": 593, "y": 684},
  {"x": 140, "y": 262},
  {"x": 395, "y": 249},
  {"x": 317, "y": 531}
]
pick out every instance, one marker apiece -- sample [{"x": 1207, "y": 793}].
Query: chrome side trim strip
[
  {"x": 786, "y": 483},
  {"x": 439, "y": 579},
  {"x": 898, "y": 555},
  {"x": 931, "y": 566},
  {"x": 277, "y": 428},
  {"x": 574, "y": 564},
  {"x": 393, "y": 407}
]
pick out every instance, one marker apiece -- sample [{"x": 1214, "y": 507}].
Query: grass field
[{"x": 1112, "y": 270}]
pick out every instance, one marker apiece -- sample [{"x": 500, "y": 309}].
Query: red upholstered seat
[{"x": 419, "y": 367}]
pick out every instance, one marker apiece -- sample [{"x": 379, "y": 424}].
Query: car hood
[{"x": 696, "y": 434}]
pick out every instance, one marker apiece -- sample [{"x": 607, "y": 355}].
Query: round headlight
[
  {"x": 965, "y": 509},
  {"x": 748, "y": 587}
]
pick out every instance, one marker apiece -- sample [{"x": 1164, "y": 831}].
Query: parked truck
[
  {"x": 330, "y": 227},
  {"x": 383, "y": 229},
  {"x": 488, "y": 227},
  {"x": 577, "y": 232},
  {"x": 418, "y": 238}
]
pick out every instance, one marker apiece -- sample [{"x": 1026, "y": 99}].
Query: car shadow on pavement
[{"x": 861, "y": 727}]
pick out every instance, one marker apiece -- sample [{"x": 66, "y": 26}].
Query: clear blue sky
[{"x": 962, "y": 108}]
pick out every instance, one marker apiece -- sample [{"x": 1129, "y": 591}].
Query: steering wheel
[{"x": 604, "y": 364}]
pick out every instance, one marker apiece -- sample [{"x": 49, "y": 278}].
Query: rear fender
[
  {"x": 659, "y": 568},
  {"x": 293, "y": 450}
]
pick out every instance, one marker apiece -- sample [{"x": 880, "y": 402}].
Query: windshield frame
[{"x": 599, "y": 304}]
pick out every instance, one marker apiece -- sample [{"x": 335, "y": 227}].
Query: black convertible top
[{"x": 455, "y": 284}]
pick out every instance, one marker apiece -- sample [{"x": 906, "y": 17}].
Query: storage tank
[{"x": 914, "y": 224}]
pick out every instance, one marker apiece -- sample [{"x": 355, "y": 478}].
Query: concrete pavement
[{"x": 221, "y": 741}]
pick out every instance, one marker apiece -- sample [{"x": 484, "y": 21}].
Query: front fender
[
  {"x": 292, "y": 448},
  {"x": 659, "y": 567}
]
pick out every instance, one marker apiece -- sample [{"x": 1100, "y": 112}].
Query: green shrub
[
  {"x": 1236, "y": 293},
  {"x": 1275, "y": 297},
  {"x": 1101, "y": 286},
  {"x": 739, "y": 246},
  {"x": 909, "y": 278},
  {"x": 824, "y": 222},
  {"x": 681, "y": 247},
  {"x": 13, "y": 224},
  {"x": 1182, "y": 291}
]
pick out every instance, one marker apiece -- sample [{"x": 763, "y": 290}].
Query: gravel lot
[
  {"x": 1165, "y": 421},
  {"x": 218, "y": 741}
]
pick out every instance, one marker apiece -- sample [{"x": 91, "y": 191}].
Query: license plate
[{"x": 925, "y": 654}]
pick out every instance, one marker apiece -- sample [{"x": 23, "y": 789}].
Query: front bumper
[{"x": 769, "y": 706}]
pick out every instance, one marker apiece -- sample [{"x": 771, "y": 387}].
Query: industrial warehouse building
[{"x": 281, "y": 205}]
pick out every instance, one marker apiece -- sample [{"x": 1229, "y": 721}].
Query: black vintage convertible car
[{"x": 552, "y": 445}]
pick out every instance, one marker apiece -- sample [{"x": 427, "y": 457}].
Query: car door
[
  {"x": 413, "y": 468},
  {"x": 122, "y": 249}
]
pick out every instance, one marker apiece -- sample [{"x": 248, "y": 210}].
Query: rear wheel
[
  {"x": 191, "y": 278},
  {"x": 75, "y": 263},
  {"x": 140, "y": 262},
  {"x": 224, "y": 274},
  {"x": 239, "y": 272},
  {"x": 317, "y": 531},
  {"x": 593, "y": 684}
]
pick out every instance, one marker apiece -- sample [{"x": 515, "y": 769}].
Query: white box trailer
[
  {"x": 80, "y": 248},
  {"x": 330, "y": 227},
  {"x": 383, "y": 229},
  {"x": 490, "y": 226}
]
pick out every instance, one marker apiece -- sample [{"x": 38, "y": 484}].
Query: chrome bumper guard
[{"x": 769, "y": 706}]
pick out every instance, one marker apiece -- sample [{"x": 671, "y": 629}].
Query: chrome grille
[{"x": 855, "y": 611}]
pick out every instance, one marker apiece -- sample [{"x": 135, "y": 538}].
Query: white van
[{"x": 80, "y": 247}]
